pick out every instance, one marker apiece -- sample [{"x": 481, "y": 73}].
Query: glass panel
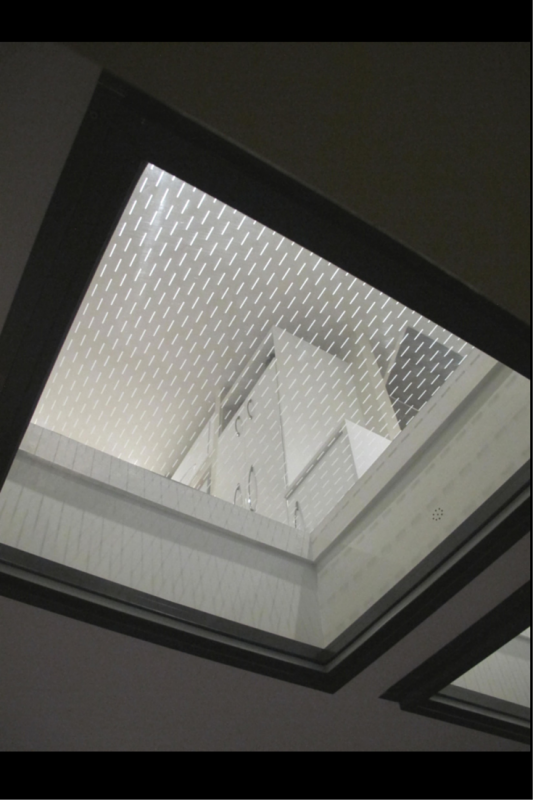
[
  {"x": 197, "y": 315},
  {"x": 239, "y": 426},
  {"x": 504, "y": 675}
]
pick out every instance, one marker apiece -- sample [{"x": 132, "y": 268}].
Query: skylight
[
  {"x": 235, "y": 391},
  {"x": 214, "y": 351},
  {"x": 218, "y": 436}
]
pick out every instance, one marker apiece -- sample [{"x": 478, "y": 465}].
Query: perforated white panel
[{"x": 186, "y": 292}]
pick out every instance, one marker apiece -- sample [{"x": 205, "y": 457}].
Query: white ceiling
[{"x": 187, "y": 290}]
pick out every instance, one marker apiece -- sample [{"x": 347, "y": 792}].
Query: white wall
[
  {"x": 196, "y": 461},
  {"x": 475, "y": 452},
  {"x": 90, "y": 511},
  {"x": 317, "y": 392}
]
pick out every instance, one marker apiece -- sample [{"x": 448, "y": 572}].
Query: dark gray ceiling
[
  {"x": 66, "y": 685},
  {"x": 71, "y": 686}
]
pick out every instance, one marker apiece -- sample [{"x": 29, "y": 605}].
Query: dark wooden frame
[
  {"x": 426, "y": 690},
  {"x": 122, "y": 131}
]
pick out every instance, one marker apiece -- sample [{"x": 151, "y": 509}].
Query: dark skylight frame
[
  {"x": 426, "y": 690},
  {"x": 123, "y": 131}
]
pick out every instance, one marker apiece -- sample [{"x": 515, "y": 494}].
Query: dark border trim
[
  {"x": 243, "y": 181},
  {"x": 479, "y": 700},
  {"x": 426, "y": 690},
  {"x": 514, "y": 525},
  {"x": 44, "y": 572},
  {"x": 122, "y": 131},
  {"x": 65, "y": 590},
  {"x": 134, "y": 613},
  {"x": 100, "y": 173},
  {"x": 479, "y": 720}
]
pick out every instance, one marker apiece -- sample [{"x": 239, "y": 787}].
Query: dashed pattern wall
[{"x": 187, "y": 290}]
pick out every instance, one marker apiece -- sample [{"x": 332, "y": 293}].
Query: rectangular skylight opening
[
  {"x": 298, "y": 441},
  {"x": 214, "y": 351}
]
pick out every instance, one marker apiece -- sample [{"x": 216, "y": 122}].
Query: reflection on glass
[
  {"x": 216, "y": 368},
  {"x": 201, "y": 326}
]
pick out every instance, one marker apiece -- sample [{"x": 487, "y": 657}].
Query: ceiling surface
[
  {"x": 66, "y": 685},
  {"x": 70, "y": 686}
]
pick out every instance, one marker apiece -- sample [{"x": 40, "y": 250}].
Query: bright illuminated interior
[
  {"x": 213, "y": 350},
  {"x": 237, "y": 426}
]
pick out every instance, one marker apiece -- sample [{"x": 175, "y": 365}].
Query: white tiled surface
[
  {"x": 476, "y": 454},
  {"x": 175, "y": 496},
  {"x": 405, "y": 448},
  {"x": 186, "y": 291},
  {"x": 62, "y": 516}
]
